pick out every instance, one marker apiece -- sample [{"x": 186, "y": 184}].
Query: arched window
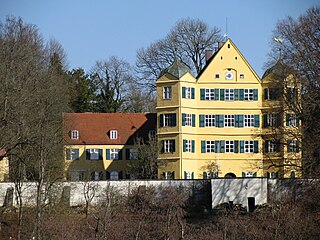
[{"x": 114, "y": 175}]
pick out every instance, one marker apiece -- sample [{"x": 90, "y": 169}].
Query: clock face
[{"x": 229, "y": 75}]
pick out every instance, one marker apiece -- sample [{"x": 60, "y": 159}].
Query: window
[
  {"x": 293, "y": 146},
  {"x": 248, "y": 94},
  {"x": 229, "y": 94},
  {"x": 249, "y": 120},
  {"x": 133, "y": 154},
  {"x": 74, "y": 134},
  {"x": 292, "y": 120},
  {"x": 168, "y": 120},
  {"x": 229, "y": 146},
  {"x": 188, "y": 145},
  {"x": 217, "y": 75},
  {"x": 152, "y": 134},
  {"x": 114, "y": 154},
  {"x": 210, "y": 146},
  {"x": 72, "y": 154},
  {"x": 248, "y": 147},
  {"x": 76, "y": 175},
  {"x": 96, "y": 176},
  {"x": 188, "y": 119},
  {"x": 210, "y": 175},
  {"x": 114, "y": 175},
  {"x": 94, "y": 154},
  {"x": 241, "y": 76},
  {"x": 229, "y": 120},
  {"x": 188, "y": 92},
  {"x": 209, "y": 120},
  {"x": 209, "y": 94},
  {"x": 169, "y": 146},
  {"x": 271, "y": 120},
  {"x": 168, "y": 175},
  {"x": 113, "y": 134},
  {"x": 188, "y": 175},
  {"x": 167, "y": 92},
  {"x": 272, "y": 146}
]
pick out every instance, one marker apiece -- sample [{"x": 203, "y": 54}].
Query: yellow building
[
  {"x": 215, "y": 124},
  {"x": 4, "y": 166},
  {"x": 100, "y": 146}
]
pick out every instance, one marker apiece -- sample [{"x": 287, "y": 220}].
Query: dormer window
[
  {"x": 74, "y": 134},
  {"x": 113, "y": 134}
]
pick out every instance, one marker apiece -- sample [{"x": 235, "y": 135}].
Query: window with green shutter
[
  {"x": 202, "y": 94},
  {"x": 241, "y": 93},
  {"x": 203, "y": 146},
  {"x": 216, "y": 94},
  {"x": 255, "y": 94},
  {"x": 193, "y": 120},
  {"x": 183, "y": 119},
  {"x": 222, "y": 94},
  {"x": 256, "y": 120},
  {"x": 201, "y": 120},
  {"x": 183, "y": 92}
]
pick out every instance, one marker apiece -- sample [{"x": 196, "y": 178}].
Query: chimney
[{"x": 208, "y": 54}]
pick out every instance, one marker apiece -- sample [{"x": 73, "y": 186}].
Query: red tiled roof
[{"x": 94, "y": 128}]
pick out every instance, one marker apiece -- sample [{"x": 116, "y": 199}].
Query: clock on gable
[{"x": 229, "y": 75}]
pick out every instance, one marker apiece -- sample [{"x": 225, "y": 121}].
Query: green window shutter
[
  {"x": 100, "y": 154},
  {"x": 279, "y": 120},
  {"x": 255, "y": 146},
  {"x": 162, "y": 146},
  {"x": 236, "y": 118},
  {"x": 241, "y": 98},
  {"x": 192, "y": 175},
  {"x": 241, "y": 122},
  {"x": 76, "y": 154},
  {"x": 203, "y": 146},
  {"x": 278, "y": 146},
  {"x": 221, "y": 120},
  {"x": 266, "y": 146},
  {"x": 88, "y": 154},
  {"x": 222, "y": 146},
  {"x": 255, "y": 94},
  {"x": 192, "y": 93},
  {"x": 222, "y": 94},
  {"x": 216, "y": 146},
  {"x": 183, "y": 92},
  {"x": 120, "y": 154},
  {"x": 241, "y": 146},
  {"x": 236, "y": 94},
  {"x": 108, "y": 154},
  {"x": 185, "y": 175},
  {"x": 202, "y": 94},
  {"x": 173, "y": 145},
  {"x": 255, "y": 174},
  {"x": 216, "y": 94},
  {"x": 256, "y": 120},
  {"x": 127, "y": 154},
  {"x": 217, "y": 120},
  {"x": 243, "y": 174},
  {"x": 161, "y": 120},
  {"x": 201, "y": 120},
  {"x": 174, "y": 120},
  {"x": 265, "y": 120},
  {"x": 183, "y": 119},
  {"x": 68, "y": 154},
  {"x": 193, "y": 120},
  {"x": 192, "y": 145},
  {"x": 184, "y": 145},
  {"x": 236, "y": 146}
]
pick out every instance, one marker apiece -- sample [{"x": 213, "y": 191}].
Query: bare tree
[
  {"x": 187, "y": 41},
  {"x": 297, "y": 45}
]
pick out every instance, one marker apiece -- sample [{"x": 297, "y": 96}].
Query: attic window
[
  {"x": 236, "y": 58},
  {"x": 217, "y": 75},
  {"x": 221, "y": 57},
  {"x": 113, "y": 134},
  {"x": 242, "y": 76},
  {"x": 228, "y": 45},
  {"x": 74, "y": 134}
]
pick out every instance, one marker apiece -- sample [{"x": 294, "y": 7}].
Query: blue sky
[{"x": 91, "y": 30}]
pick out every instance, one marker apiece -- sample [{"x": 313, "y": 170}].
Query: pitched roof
[
  {"x": 176, "y": 69},
  {"x": 277, "y": 69},
  {"x": 94, "y": 128}
]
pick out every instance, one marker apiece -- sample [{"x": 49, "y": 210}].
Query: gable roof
[
  {"x": 176, "y": 69},
  {"x": 237, "y": 50},
  {"x": 94, "y": 128}
]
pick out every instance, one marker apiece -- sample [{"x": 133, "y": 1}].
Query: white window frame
[
  {"x": 249, "y": 174},
  {"x": 209, "y": 120},
  {"x": 272, "y": 147},
  {"x": 292, "y": 121},
  {"x": 167, "y": 92},
  {"x": 241, "y": 75},
  {"x": 168, "y": 120},
  {"x": 113, "y": 134},
  {"x": 114, "y": 154},
  {"x": 188, "y": 175},
  {"x": 210, "y": 146},
  {"x": 229, "y": 94},
  {"x": 248, "y": 146},
  {"x": 292, "y": 146},
  {"x": 229, "y": 120},
  {"x": 188, "y": 92},
  {"x": 74, "y": 134},
  {"x": 229, "y": 146},
  {"x": 272, "y": 120},
  {"x": 168, "y": 145},
  {"x": 188, "y": 119},
  {"x": 94, "y": 154},
  {"x": 209, "y": 94},
  {"x": 249, "y": 120},
  {"x": 188, "y": 145},
  {"x": 248, "y": 94}
]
